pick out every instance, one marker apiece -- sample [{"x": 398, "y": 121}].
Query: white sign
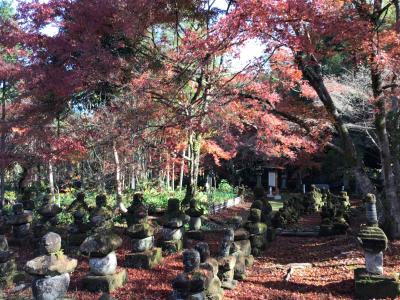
[{"x": 272, "y": 179}]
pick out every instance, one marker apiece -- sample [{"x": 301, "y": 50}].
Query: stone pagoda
[
  {"x": 104, "y": 275},
  {"x": 370, "y": 282},
  {"x": 144, "y": 254}
]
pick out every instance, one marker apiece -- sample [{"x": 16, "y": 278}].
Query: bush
[{"x": 225, "y": 187}]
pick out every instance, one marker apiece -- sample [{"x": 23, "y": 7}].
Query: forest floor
[{"x": 328, "y": 274}]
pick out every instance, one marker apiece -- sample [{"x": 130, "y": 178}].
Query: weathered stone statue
[
  {"x": 101, "y": 214},
  {"x": 8, "y": 267},
  {"x": 257, "y": 230},
  {"x": 79, "y": 204},
  {"x": 21, "y": 222},
  {"x": 78, "y": 230},
  {"x": 314, "y": 199},
  {"x": 104, "y": 275},
  {"x": 227, "y": 262},
  {"x": 144, "y": 254},
  {"x": 194, "y": 281},
  {"x": 195, "y": 215},
  {"x": 48, "y": 221},
  {"x": 172, "y": 231},
  {"x": 51, "y": 270},
  {"x": 27, "y": 201}
]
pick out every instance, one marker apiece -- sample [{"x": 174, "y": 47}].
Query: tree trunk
[
  {"x": 194, "y": 162},
  {"x": 117, "y": 174},
  {"x": 312, "y": 73},
  {"x": 168, "y": 177},
  {"x": 173, "y": 176},
  {"x": 133, "y": 180},
  {"x": 388, "y": 175},
  {"x": 389, "y": 181},
  {"x": 3, "y": 148},
  {"x": 181, "y": 173},
  {"x": 51, "y": 181}
]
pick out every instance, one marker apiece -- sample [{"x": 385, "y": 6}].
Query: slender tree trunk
[
  {"x": 51, "y": 181},
  {"x": 3, "y": 147},
  {"x": 168, "y": 176},
  {"x": 194, "y": 162},
  {"x": 117, "y": 173},
  {"x": 173, "y": 176},
  {"x": 181, "y": 173},
  {"x": 133, "y": 180}
]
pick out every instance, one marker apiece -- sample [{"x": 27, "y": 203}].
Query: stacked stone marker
[
  {"x": 214, "y": 286},
  {"x": 100, "y": 216},
  {"x": 193, "y": 282},
  {"x": 103, "y": 275},
  {"x": 21, "y": 222},
  {"x": 27, "y": 201},
  {"x": 227, "y": 262},
  {"x": 48, "y": 212},
  {"x": 257, "y": 230},
  {"x": 77, "y": 231},
  {"x": 195, "y": 216},
  {"x": 7, "y": 264},
  {"x": 373, "y": 240},
  {"x": 172, "y": 231},
  {"x": 370, "y": 281},
  {"x": 144, "y": 255},
  {"x": 50, "y": 271},
  {"x": 241, "y": 248}
]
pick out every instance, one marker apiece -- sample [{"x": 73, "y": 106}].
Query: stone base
[
  {"x": 107, "y": 283},
  {"x": 258, "y": 241},
  {"x": 249, "y": 261},
  {"x": 144, "y": 260},
  {"x": 229, "y": 285},
  {"x": 172, "y": 246},
  {"x": 195, "y": 235},
  {"x": 368, "y": 286},
  {"x": 198, "y": 296}
]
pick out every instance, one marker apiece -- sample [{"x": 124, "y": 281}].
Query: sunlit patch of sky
[{"x": 252, "y": 49}]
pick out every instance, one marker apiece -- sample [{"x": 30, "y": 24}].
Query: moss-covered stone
[
  {"x": 249, "y": 261},
  {"x": 255, "y": 215},
  {"x": 243, "y": 246},
  {"x": 258, "y": 242},
  {"x": 256, "y": 228},
  {"x": 144, "y": 260},
  {"x": 372, "y": 239},
  {"x": 369, "y": 286},
  {"x": 140, "y": 231},
  {"x": 107, "y": 283},
  {"x": 172, "y": 246}
]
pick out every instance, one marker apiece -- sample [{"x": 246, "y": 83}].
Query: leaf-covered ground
[{"x": 330, "y": 275}]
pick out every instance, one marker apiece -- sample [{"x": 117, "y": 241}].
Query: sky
[{"x": 249, "y": 51}]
